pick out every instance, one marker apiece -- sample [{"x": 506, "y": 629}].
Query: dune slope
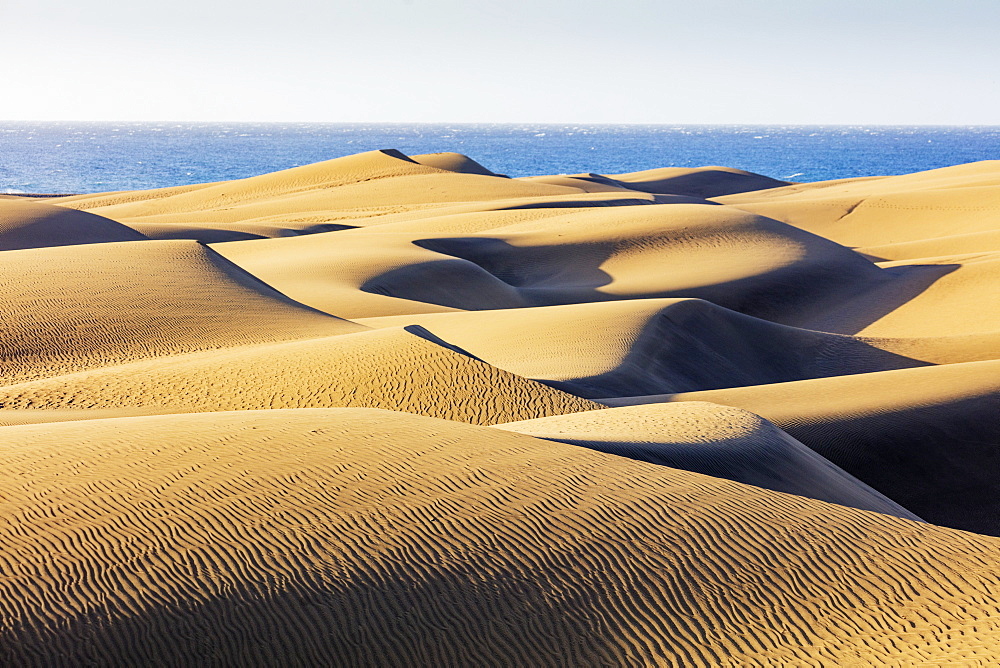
[
  {"x": 399, "y": 369},
  {"x": 647, "y": 346},
  {"x": 86, "y": 306},
  {"x": 25, "y": 223},
  {"x": 719, "y": 441},
  {"x": 358, "y": 537},
  {"x": 927, "y": 438}
]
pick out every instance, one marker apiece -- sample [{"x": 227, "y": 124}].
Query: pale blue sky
[{"x": 587, "y": 61}]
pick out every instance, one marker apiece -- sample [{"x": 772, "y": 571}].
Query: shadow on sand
[{"x": 488, "y": 273}]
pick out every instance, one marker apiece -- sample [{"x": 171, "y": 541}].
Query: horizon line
[{"x": 560, "y": 123}]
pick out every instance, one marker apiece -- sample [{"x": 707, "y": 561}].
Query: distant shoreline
[{"x": 37, "y": 195}]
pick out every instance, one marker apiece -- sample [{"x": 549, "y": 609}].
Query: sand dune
[
  {"x": 385, "y": 177},
  {"x": 404, "y": 410},
  {"x": 955, "y": 244},
  {"x": 76, "y": 307},
  {"x": 332, "y": 194},
  {"x": 95, "y": 200},
  {"x": 25, "y": 223},
  {"x": 672, "y": 345},
  {"x": 591, "y": 183},
  {"x": 694, "y": 182},
  {"x": 670, "y": 184},
  {"x": 649, "y": 343},
  {"x": 927, "y": 438},
  {"x": 391, "y": 368},
  {"x": 11, "y": 417},
  {"x": 719, "y": 441},
  {"x": 356, "y": 537},
  {"x": 747, "y": 263},
  {"x": 938, "y": 228},
  {"x": 360, "y": 275},
  {"x": 939, "y": 296},
  {"x": 868, "y": 212},
  {"x": 959, "y": 301},
  {"x": 452, "y": 162}
]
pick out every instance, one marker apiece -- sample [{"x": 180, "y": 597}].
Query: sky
[{"x": 585, "y": 61}]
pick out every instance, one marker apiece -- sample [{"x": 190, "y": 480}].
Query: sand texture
[{"x": 391, "y": 410}]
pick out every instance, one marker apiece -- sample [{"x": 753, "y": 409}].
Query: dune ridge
[
  {"x": 925, "y": 437},
  {"x": 25, "y": 223},
  {"x": 405, "y": 410},
  {"x": 396, "y": 368},
  {"x": 665, "y": 343},
  {"x": 87, "y": 306},
  {"x": 719, "y": 441}
]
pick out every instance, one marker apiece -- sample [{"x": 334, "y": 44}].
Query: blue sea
[{"x": 76, "y": 157}]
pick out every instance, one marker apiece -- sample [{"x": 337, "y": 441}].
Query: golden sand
[{"x": 403, "y": 410}]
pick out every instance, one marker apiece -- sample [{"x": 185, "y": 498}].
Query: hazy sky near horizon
[{"x": 582, "y": 61}]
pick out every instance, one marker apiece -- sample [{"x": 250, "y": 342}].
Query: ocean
[{"x": 77, "y": 157}]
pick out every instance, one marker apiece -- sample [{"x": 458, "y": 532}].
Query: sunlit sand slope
[
  {"x": 349, "y": 537},
  {"x": 944, "y": 296},
  {"x": 696, "y": 182},
  {"x": 936, "y": 204},
  {"x": 390, "y": 368},
  {"x": 378, "y": 178},
  {"x": 745, "y": 262},
  {"x": 506, "y": 258},
  {"x": 94, "y": 200},
  {"x": 452, "y": 162},
  {"x": 13, "y": 416},
  {"x": 369, "y": 274},
  {"x": 607, "y": 349},
  {"x": 927, "y": 438},
  {"x": 76, "y": 307},
  {"x": 719, "y": 441},
  {"x": 324, "y": 196},
  {"x": 939, "y": 227}
]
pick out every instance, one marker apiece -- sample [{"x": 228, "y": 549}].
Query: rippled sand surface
[{"x": 401, "y": 410}]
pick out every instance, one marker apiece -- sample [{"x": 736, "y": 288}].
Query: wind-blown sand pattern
[{"x": 404, "y": 410}]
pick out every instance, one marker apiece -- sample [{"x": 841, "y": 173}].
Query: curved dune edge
[
  {"x": 71, "y": 308},
  {"x": 926, "y": 437},
  {"x": 743, "y": 262},
  {"x": 719, "y": 441},
  {"x": 694, "y": 182},
  {"x": 350, "y": 182},
  {"x": 14, "y": 417},
  {"x": 27, "y": 223},
  {"x": 674, "y": 345},
  {"x": 452, "y": 162},
  {"x": 352, "y": 536}
]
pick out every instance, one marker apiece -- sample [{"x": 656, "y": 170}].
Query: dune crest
[
  {"x": 75, "y": 307},
  {"x": 399, "y": 369},
  {"x": 925, "y": 437},
  {"x": 30, "y": 224},
  {"x": 716, "y": 440}
]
